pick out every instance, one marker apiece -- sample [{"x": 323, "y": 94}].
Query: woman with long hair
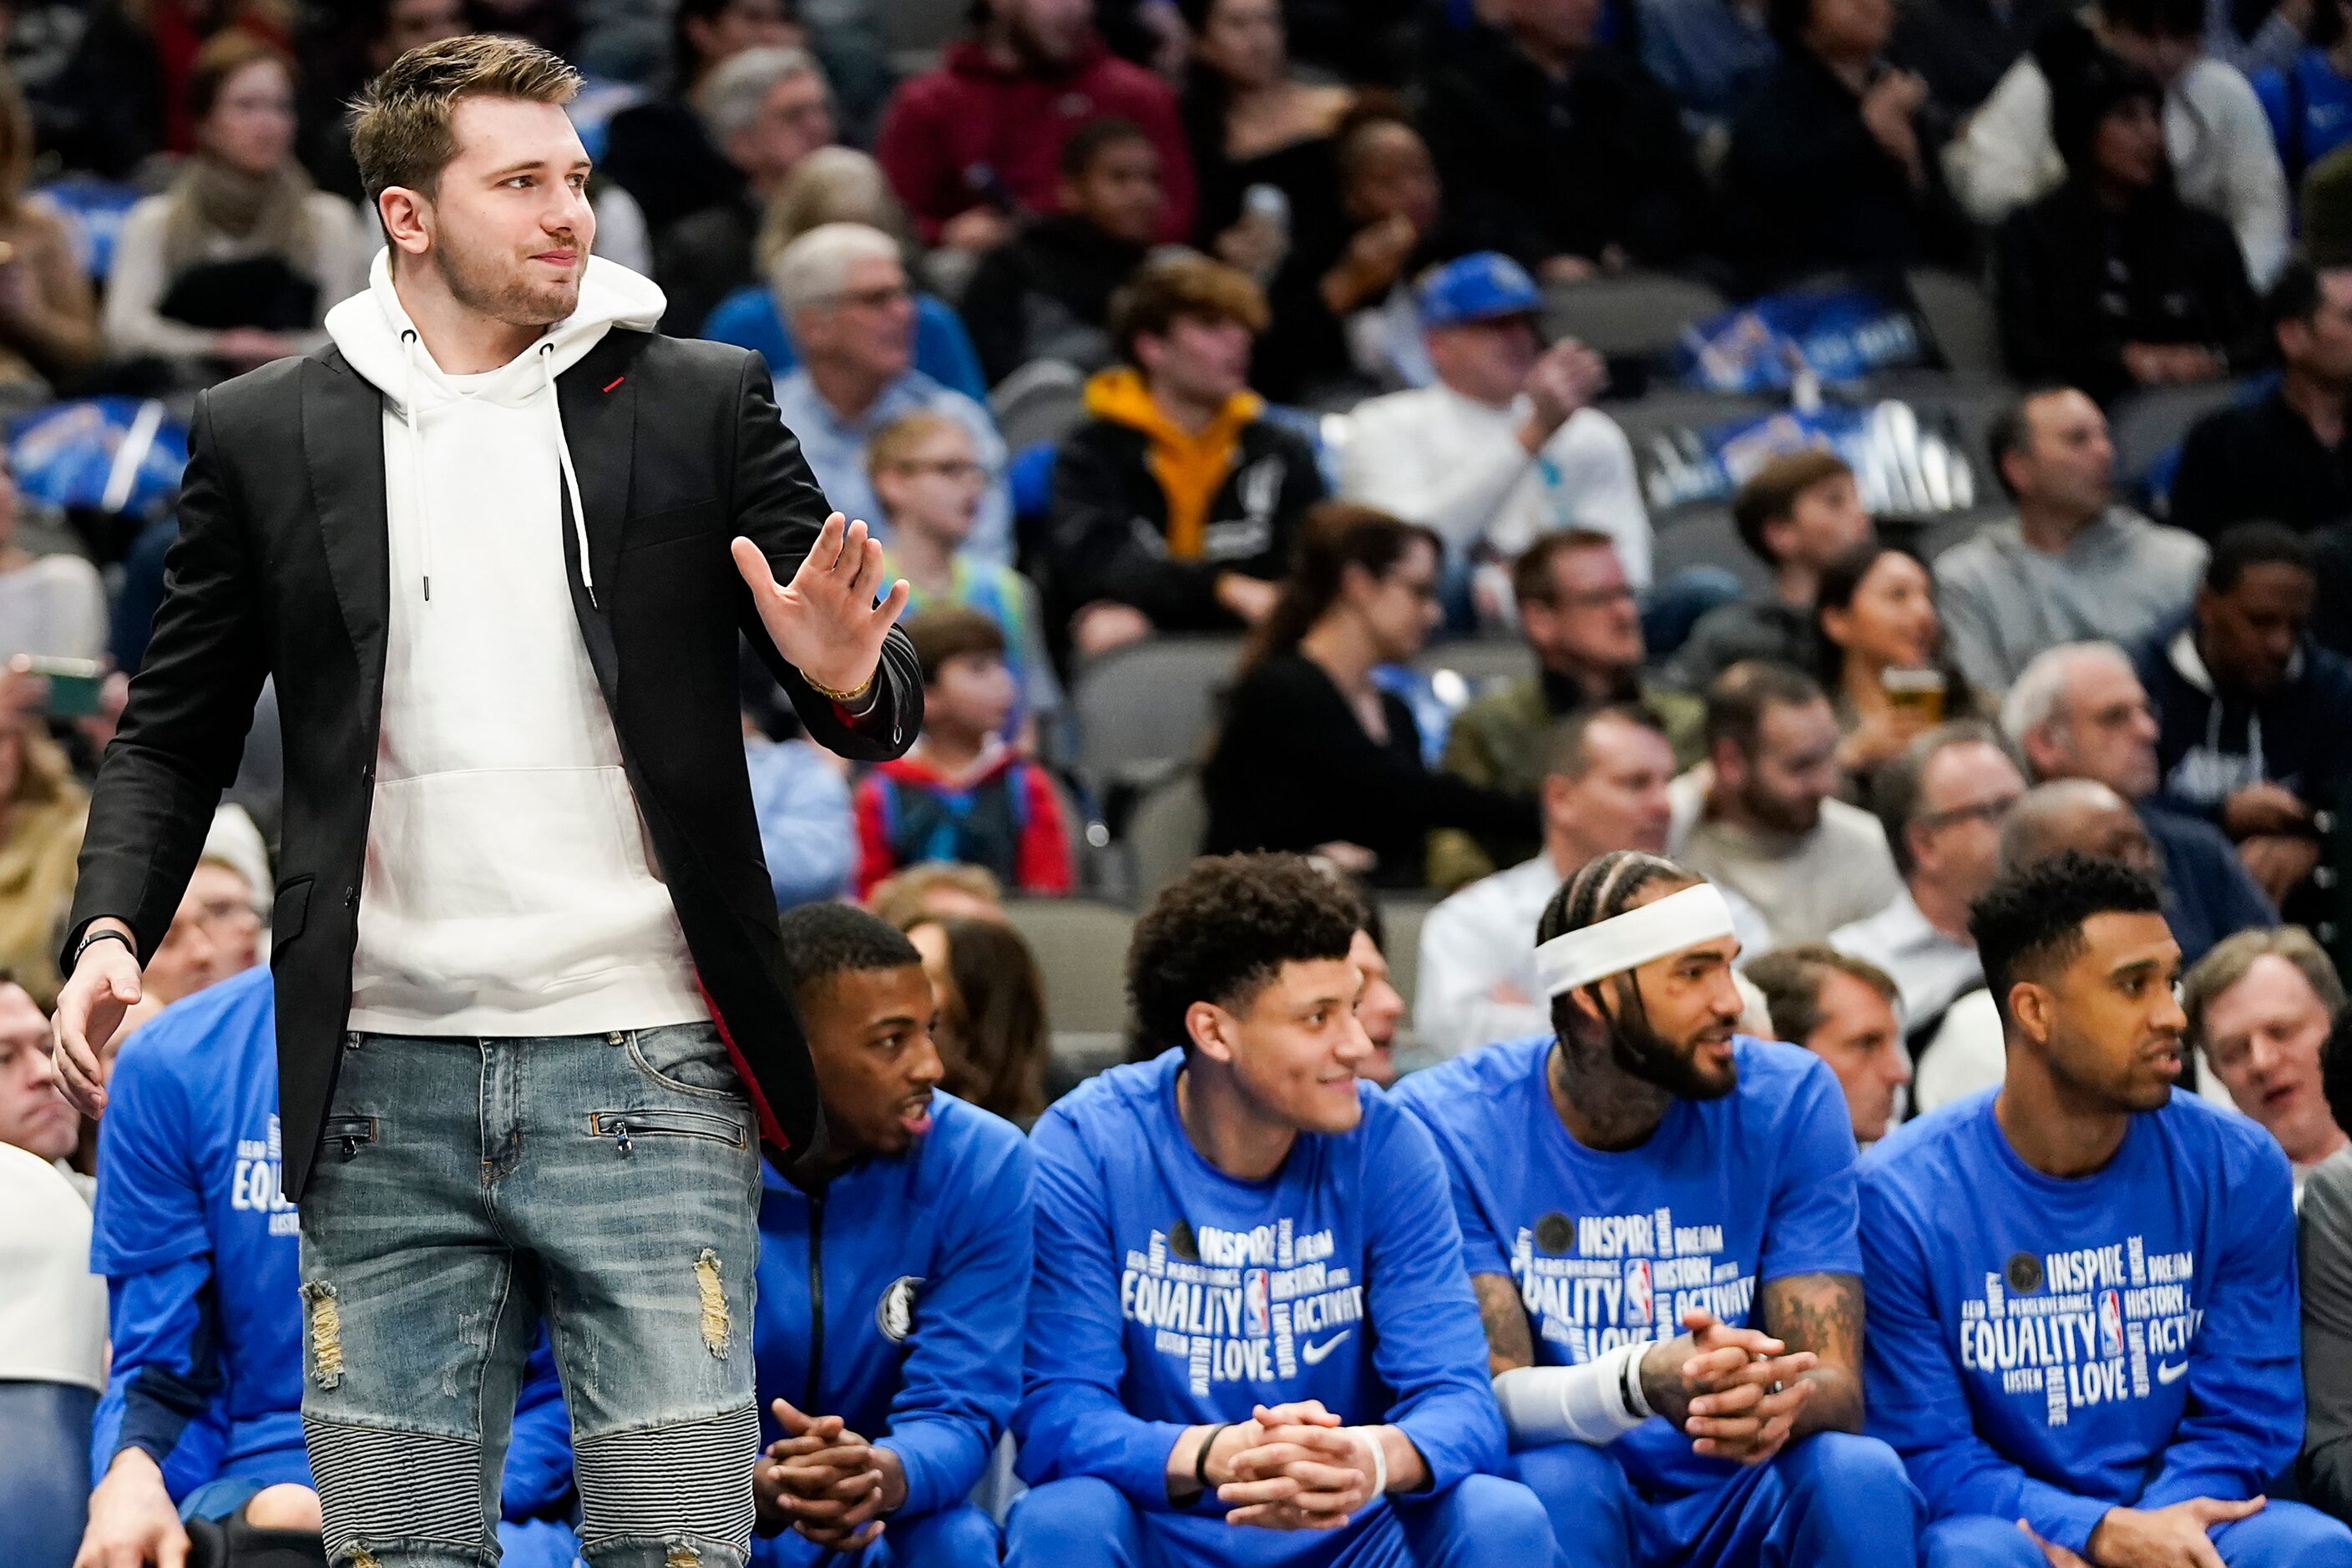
[
  {"x": 992, "y": 1031},
  {"x": 240, "y": 259},
  {"x": 1879, "y": 645},
  {"x": 49, "y": 317},
  {"x": 42, "y": 811},
  {"x": 1315, "y": 756}
]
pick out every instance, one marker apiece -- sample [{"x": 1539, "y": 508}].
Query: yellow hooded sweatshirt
[{"x": 1191, "y": 468}]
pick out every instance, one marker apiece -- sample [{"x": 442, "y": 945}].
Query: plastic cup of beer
[{"x": 1919, "y": 692}]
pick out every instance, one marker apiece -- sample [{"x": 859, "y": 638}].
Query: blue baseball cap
[{"x": 1481, "y": 288}]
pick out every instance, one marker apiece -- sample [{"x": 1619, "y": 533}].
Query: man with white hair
[
  {"x": 1658, "y": 1216},
  {"x": 765, "y": 110},
  {"x": 846, "y": 302},
  {"x": 2079, "y": 711}
]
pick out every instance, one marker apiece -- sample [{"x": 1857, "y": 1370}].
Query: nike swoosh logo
[
  {"x": 2167, "y": 1372},
  {"x": 1313, "y": 1354}
]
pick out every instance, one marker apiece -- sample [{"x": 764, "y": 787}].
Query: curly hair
[
  {"x": 1224, "y": 930},
  {"x": 2031, "y": 920}
]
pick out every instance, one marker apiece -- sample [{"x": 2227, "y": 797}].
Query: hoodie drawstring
[
  {"x": 570, "y": 479},
  {"x": 415, "y": 420}
]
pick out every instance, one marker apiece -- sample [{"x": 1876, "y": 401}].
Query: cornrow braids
[{"x": 1603, "y": 889}]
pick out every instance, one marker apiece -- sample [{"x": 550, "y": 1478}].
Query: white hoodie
[{"x": 509, "y": 887}]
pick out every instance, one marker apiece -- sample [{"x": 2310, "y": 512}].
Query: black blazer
[{"x": 282, "y": 570}]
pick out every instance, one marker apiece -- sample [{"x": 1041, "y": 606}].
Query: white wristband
[
  {"x": 1370, "y": 1438},
  {"x": 1588, "y": 1403}
]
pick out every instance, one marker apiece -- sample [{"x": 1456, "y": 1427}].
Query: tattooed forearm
[
  {"x": 1509, "y": 1342},
  {"x": 1821, "y": 1313}
]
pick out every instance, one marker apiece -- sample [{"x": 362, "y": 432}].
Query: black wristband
[
  {"x": 1200, "y": 1465},
  {"x": 109, "y": 935}
]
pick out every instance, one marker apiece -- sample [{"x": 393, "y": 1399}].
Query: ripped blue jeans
[{"x": 465, "y": 1190}]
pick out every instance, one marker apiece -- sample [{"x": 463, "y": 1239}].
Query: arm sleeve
[
  {"x": 805, "y": 827},
  {"x": 1970, "y": 634},
  {"x": 945, "y": 350},
  {"x": 1456, "y": 490},
  {"x": 1045, "y": 848},
  {"x": 1071, "y": 1420},
  {"x": 1431, "y": 1349},
  {"x": 183, "y": 735},
  {"x": 777, "y": 507},
  {"x": 1915, "y": 1401},
  {"x": 135, "y": 287},
  {"x": 1811, "y": 1227},
  {"x": 2244, "y": 1418},
  {"x": 537, "y": 1478},
  {"x": 909, "y": 149},
  {"x": 2254, "y": 185},
  {"x": 2326, "y": 1469},
  {"x": 962, "y": 1376},
  {"x": 150, "y": 1239},
  {"x": 2003, "y": 162}
]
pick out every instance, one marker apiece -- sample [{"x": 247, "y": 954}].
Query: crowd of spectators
[{"x": 1284, "y": 268}]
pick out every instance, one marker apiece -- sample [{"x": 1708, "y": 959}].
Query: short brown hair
[
  {"x": 1170, "y": 288},
  {"x": 1791, "y": 978},
  {"x": 1531, "y": 573},
  {"x": 401, "y": 122},
  {"x": 1772, "y": 490},
  {"x": 2227, "y": 965},
  {"x": 223, "y": 56},
  {"x": 949, "y": 632}
]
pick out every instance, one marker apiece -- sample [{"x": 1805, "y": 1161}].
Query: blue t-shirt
[
  {"x": 2309, "y": 106},
  {"x": 921, "y": 1263},
  {"x": 2045, "y": 1349},
  {"x": 202, "y": 1267},
  {"x": 1608, "y": 1248},
  {"x": 1168, "y": 1295}
]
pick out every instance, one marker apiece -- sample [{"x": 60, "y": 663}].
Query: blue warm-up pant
[
  {"x": 1089, "y": 1523},
  {"x": 959, "y": 1537},
  {"x": 2284, "y": 1535},
  {"x": 1830, "y": 1501}
]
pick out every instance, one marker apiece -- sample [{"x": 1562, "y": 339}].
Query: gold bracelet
[{"x": 844, "y": 698}]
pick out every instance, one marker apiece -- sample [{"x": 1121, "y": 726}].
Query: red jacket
[{"x": 972, "y": 131}]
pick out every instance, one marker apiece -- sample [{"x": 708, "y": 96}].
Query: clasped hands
[
  {"x": 1735, "y": 1393},
  {"x": 827, "y": 1483},
  {"x": 1292, "y": 1466}
]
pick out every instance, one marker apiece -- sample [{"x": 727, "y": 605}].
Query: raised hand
[{"x": 825, "y": 622}]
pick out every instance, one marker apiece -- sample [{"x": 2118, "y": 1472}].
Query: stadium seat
[
  {"x": 1043, "y": 401},
  {"x": 1701, "y": 535},
  {"x": 1629, "y": 315},
  {"x": 2148, "y": 425},
  {"x": 1149, "y": 708},
  {"x": 1401, "y": 920},
  {"x": 1081, "y": 950},
  {"x": 1165, "y": 834},
  {"x": 1959, "y": 316}
]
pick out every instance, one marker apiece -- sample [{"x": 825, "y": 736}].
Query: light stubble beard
[{"x": 507, "y": 297}]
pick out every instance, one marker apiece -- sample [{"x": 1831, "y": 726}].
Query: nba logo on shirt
[
  {"x": 1254, "y": 1304},
  {"x": 1639, "y": 1304},
  {"x": 2111, "y": 1323}
]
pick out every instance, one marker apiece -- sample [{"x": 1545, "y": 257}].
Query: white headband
[{"x": 1628, "y": 941}]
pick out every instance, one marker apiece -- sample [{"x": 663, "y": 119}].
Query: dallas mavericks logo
[
  {"x": 1256, "y": 1320},
  {"x": 894, "y": 1314},
  {"x": 2111, "y": 1323},
  {"x": 1641, "y": 1304}
]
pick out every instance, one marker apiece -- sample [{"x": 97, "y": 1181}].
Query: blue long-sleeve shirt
[
  {"x": 201, "y": 1259},
  {"x": 1610, "y": 1248},
  {"x": 2045, "y": 1349},
  {"x": 1168, "y": 1294},
  {"x": 808, "y": 833},
  {"x": 918, "y": 1265}
]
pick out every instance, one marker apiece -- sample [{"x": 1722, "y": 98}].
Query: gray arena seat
[
  {"x": 1632, "y": 313},
  {"x": 1149, "y": 708}
]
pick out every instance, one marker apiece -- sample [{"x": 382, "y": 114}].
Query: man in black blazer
[{"x": 497, "y": 547}]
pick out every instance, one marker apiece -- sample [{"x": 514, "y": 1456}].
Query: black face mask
[{"x": 1639, "y": 1051}]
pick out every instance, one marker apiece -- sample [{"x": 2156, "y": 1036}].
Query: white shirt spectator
[
  {"x": 1476, "y": 982},
  {"x": 342, "y": 248},
  {"x": 1928, "y": 967},
  {"x": 2223, "y": 159},
  {"x": 52, "y": 1308},
  {"x": 1433, "y": 456}
]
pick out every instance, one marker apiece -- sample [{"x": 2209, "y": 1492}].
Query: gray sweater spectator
[
  {"x": 2071, "y": 565},
  {"x": 2325, "y": 1469}
]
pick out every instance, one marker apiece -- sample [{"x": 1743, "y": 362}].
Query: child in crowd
[
  {"x": 930, "y": 479},
  {"x": 963, "y": 793}
]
